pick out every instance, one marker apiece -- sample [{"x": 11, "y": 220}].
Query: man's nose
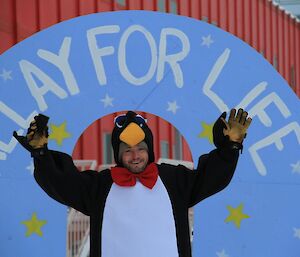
[{"x": 135, "y": 155}]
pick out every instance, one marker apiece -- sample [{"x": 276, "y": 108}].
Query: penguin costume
[{"x": 128, "y": 217}]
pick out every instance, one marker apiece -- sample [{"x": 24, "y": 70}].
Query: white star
[
  {"x": 222, "y": 254},
  {"x": 207, "y": 41},
  {"x": 107, "y": 101},
  {"x": 296, "y": 167},
  {"x": 173, "y": 107},
  {"x": 297, "y": 232},
  {"x": 6, "y": 75},
  {"x": 30, "y": 168}
]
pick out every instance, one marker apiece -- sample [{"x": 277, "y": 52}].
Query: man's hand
[
  {"x": 237, "y": 125},
  {"x": 37, "y": 134},
  {"x": 36, "y": 139}
]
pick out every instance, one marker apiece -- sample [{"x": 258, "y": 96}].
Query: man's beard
[{"x": 135, "y": 168}]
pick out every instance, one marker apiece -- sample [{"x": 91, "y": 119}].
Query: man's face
[{"x": 135, "y": 158}]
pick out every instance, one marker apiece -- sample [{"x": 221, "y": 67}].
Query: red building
[
  {"x": 95, "y": 142},
  {"x": 260, "y": 23}
]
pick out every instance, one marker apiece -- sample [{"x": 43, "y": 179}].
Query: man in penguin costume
[{"x": 137, "y": 208}]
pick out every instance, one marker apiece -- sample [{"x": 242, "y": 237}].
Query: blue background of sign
[{"x": 267, "y": 195}]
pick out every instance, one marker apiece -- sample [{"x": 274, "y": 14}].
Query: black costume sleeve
[
  {"x": 57, "y": 175},
  {"x": 213, "y": 173}
]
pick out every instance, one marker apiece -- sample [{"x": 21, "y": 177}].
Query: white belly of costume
[{"x": 138, "y": 222}]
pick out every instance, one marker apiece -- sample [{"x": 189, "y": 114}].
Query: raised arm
[
  {"x": 215, "y": 170},
  {"x": 56, "y": 173}
]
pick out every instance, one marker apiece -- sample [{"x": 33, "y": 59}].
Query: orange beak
[{"x": 132, "y": 134}]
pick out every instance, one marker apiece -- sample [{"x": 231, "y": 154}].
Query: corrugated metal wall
[
  {"x": 260, "y": 23},
  {"x": 264, "y": 26},
  {"x": 92, "y": 146}
]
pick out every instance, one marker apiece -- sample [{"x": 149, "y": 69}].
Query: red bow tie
[{"x": 123, "y": 177}]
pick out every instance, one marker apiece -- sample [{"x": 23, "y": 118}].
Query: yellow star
[
  {"x": 59, "y": 133},
  {"x": 34, "y": 225},
  {"x": 236, "y": 215},
  {"x": 207, "y": 131}
]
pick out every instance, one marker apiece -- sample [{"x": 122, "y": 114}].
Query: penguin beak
[{"x": 132, "y": 134}]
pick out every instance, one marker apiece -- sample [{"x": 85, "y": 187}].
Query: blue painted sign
[{"x": 181, "y": 69}]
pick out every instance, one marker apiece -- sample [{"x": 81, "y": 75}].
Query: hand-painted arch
[{"x": 180, "y": 69}]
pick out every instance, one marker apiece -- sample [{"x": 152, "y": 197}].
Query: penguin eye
[
  {"x": 140, "y": 120},
  {"x": 120, "y": 120}
]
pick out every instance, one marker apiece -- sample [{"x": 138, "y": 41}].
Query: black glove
[
  {"x": 41, "y": 129},
  {"x": 220, "y": 140}
]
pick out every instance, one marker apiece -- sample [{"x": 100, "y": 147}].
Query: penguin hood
[{"x": 131, "y": 129}]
